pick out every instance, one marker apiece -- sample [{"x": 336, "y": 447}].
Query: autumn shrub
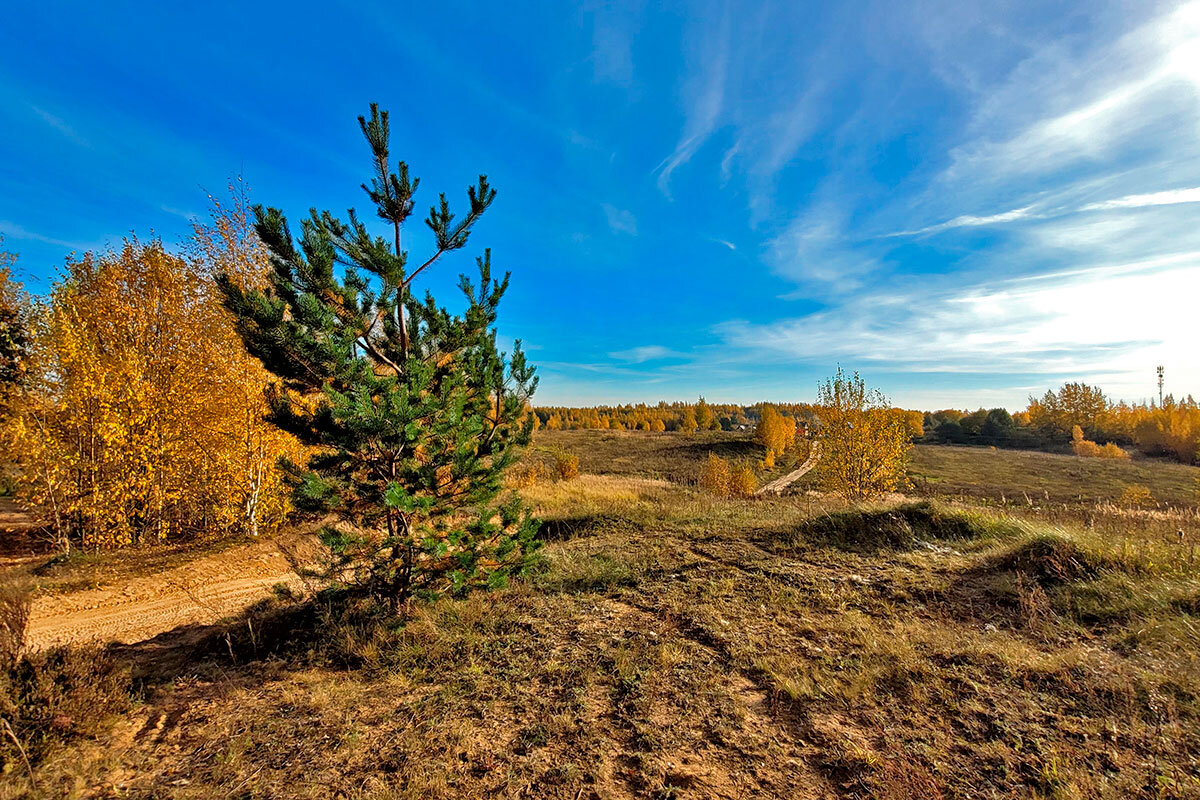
[
  {"x": 1088, "y": 449},
  {"x": 1136, "y": 495},
  {"x": 14, "y": 619},
  {"x": 1110, "y": 450},
  {"x": 742, "y": 480},
  {"x": 58, "y": 695},
  {"x": 527, "y": 475},
  {"x": 774, "y": 432},
  {"x": 140, "y": 418},
  {"x": 716, "y": 475},
  {"x": 566, "y": 464}
]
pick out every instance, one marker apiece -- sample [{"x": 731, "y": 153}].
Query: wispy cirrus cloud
[
  {"x": 640, "y": 355},
  {"x": 1168, "y": 197},
  {"x": 1108, "y": 323},
  {"x": 707, "y": 52},
  {"x": 970, "y": 221},
  {"x": 620, "y": 220},
  {"x": 15, "y": 231},
  {"x": 61, "y": 126}
]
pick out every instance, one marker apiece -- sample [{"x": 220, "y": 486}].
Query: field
[
  {"x": 678, "y": 645},
  {"x": 1018, "y": 476}
]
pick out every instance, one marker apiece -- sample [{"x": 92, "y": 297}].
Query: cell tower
[{"x": 1160, "y": 385}]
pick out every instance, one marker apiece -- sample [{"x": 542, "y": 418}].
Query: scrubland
[{"x": 1007, "y": 629}]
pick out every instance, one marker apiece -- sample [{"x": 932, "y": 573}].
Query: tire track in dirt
[{"x": 201, "y": 591}]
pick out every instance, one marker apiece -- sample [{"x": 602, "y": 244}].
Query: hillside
[{"x": 680, "y": 646}]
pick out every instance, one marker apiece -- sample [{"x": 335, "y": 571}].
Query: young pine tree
[{"x": 413, "y": 413}]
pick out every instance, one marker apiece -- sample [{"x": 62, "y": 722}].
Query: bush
[
  {"x": 1136, "y": 495},
  {"x": 528, "y": 475},
  {"x": 1110, "y": 450},
  {"x": 566, "y": 465},
  {"x": 715, "y": 475},
  {"x": 1088, "y": 449},
  {"x": 14, "y": 617},
  {"x": 742, "y": 481},
  {"x": 59, "y": 695},
  {"x": 865, "y": 442}
]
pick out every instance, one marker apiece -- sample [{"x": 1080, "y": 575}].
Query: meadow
[{"x": 680, "y": 645}]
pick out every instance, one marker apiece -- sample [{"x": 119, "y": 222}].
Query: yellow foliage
[
  {"x": 705, "y": 419},
  {"x": 1089, "y": 449},
  {"x": 525, "y": 476},
  {"x": 865, "y": 443},
  {"x": 1137, "y": 496},
  {"x": 742, "y": 481},
  {"x": 143, "y": 420},
  {"x": 914, "y": 423},
  {"x": 1110, "y": 450},
  {"x": 566, "y": 465},
  {"x": 775, "y": 432},
  {"x": 715, "y": 475},
  {"x": 688, "y": 423}
]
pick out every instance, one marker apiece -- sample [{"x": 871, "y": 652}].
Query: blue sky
[{"x": 967, "y": 202}]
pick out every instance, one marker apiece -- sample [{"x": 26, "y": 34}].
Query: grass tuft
[{"x": 901, "y": 527}]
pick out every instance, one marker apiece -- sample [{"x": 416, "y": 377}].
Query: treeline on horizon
[{"x": 1077, "y": 417}]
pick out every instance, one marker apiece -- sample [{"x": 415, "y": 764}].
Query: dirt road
[
  {"x": 201, "y": 591},
  {"x": 779, "y": 484}
]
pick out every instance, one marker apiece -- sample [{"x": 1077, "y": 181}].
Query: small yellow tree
[
  {"x": 704, "y": 415},
  {"x": 865, "y": 445},
  {"x": 715, "y": 475},
  {"x": 775, "y": 432},
  {"x": 742, "y": 480},
  {"x": 688, "y": 423}
]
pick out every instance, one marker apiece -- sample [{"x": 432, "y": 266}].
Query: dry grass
[
  {"x": 1034, "y": 478},
  {"x": 680, "y": 645}
]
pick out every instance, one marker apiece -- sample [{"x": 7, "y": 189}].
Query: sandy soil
[
  {"x": 202, "y": 590},
  {"x": 145, "y": 607}
]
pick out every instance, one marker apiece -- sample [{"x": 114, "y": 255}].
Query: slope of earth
[
  {"x": 156, "y": 592},
  {"x": 680, "y": 646}
]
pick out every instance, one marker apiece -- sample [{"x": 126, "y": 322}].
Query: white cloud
[
  {"x": 1109, "y": 325},
  {"x": 970, "y": 221},
  {"x": 12, "y": 229},
  {"x": 640, "y": 355},
  {"x": 1163, "y": 198},
  {"x": 815, "y": 249},
  {"x": 704, "y": 94},
  {"x": 1134, "y": 100},
  {"x": 620, "y": 220}
]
